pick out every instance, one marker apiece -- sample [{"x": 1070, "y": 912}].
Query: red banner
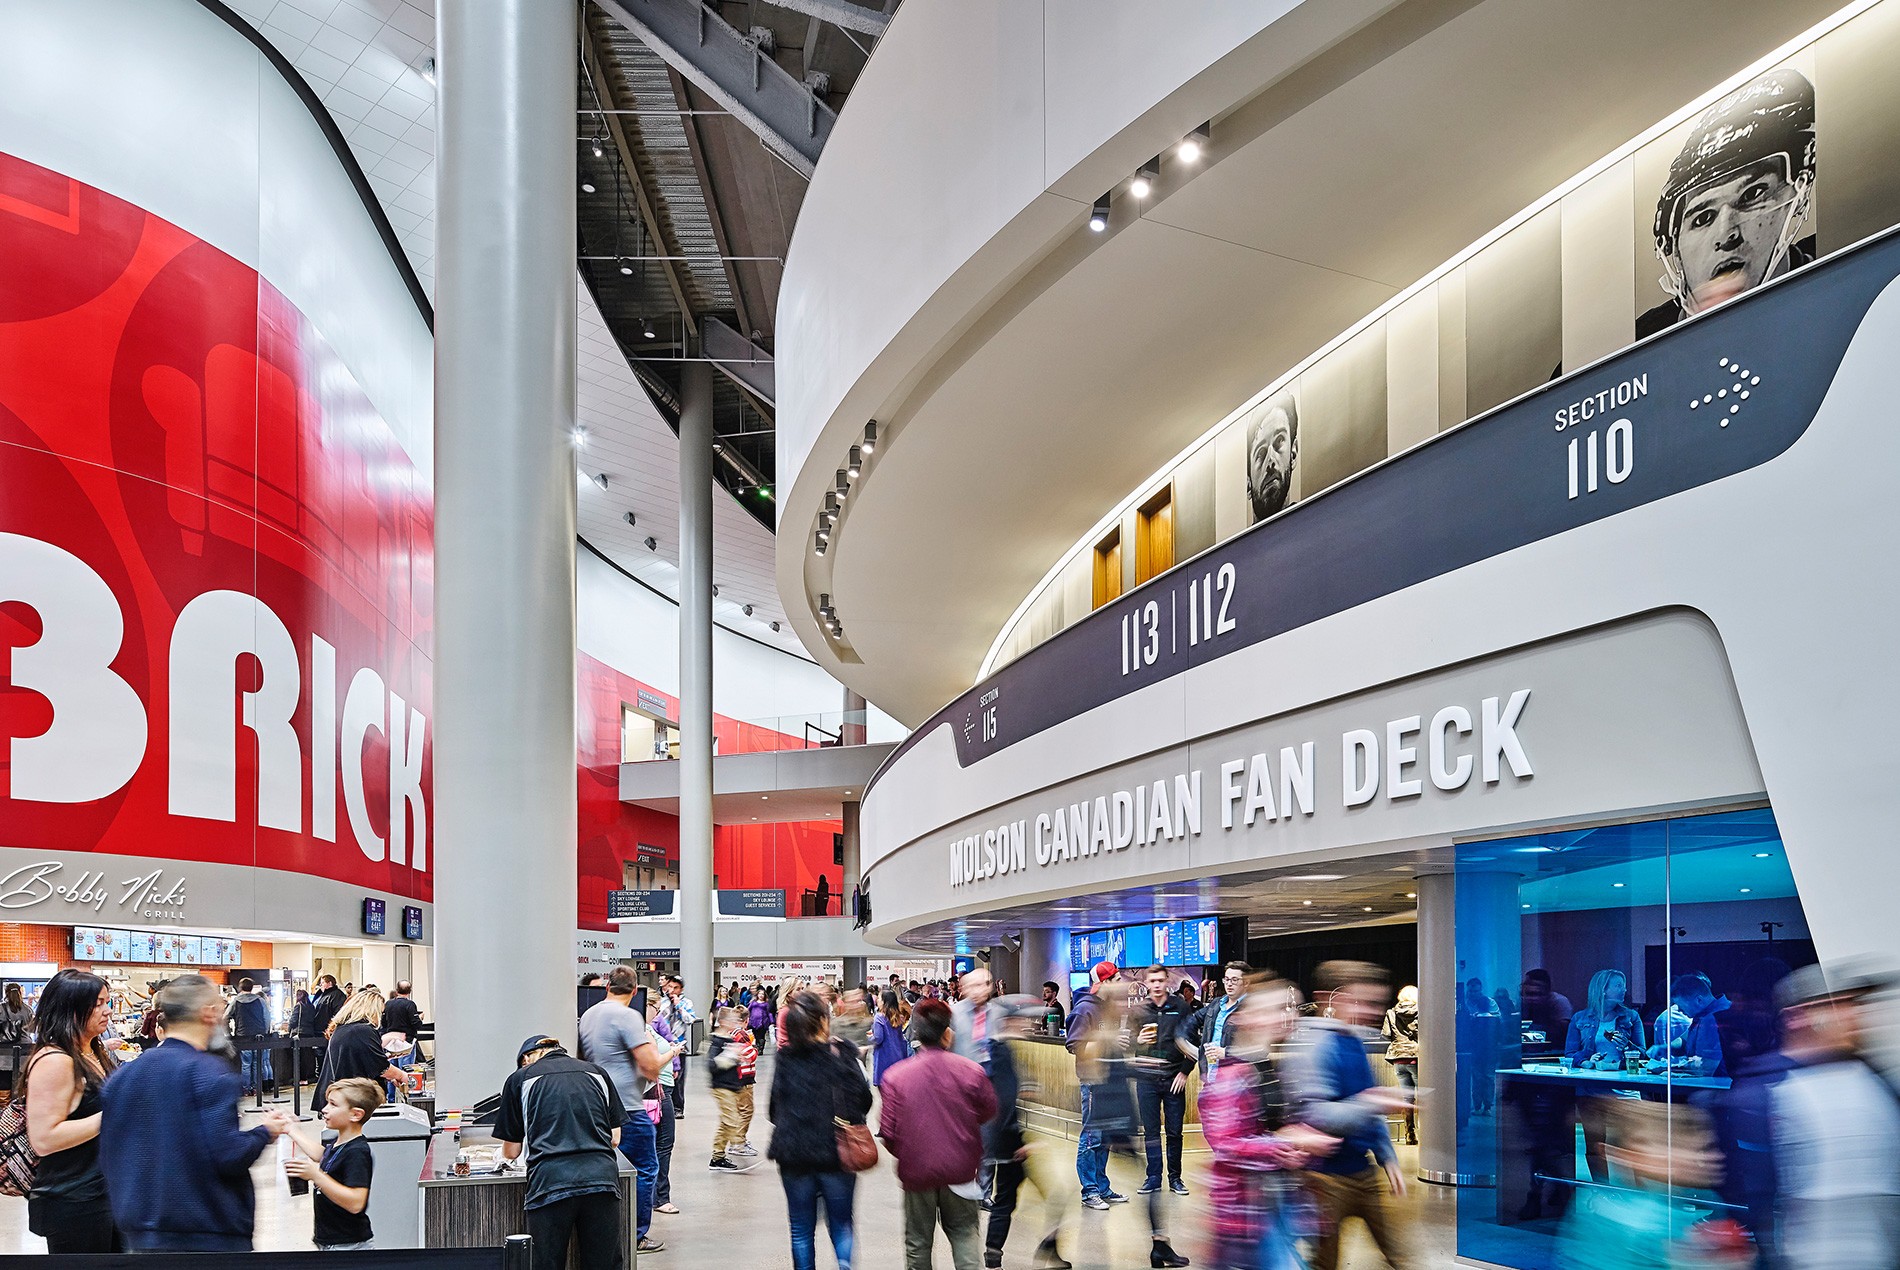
[{"x": 215, "y": 562}]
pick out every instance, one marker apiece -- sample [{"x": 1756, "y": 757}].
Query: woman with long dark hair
[
  {"x": 68, "y": 1205},
  {"x": 888, "y": 1046},
  {"x": 816, "y": 1082}
]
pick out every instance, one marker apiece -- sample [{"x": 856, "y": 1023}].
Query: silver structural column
[
  {"x": 851, "y": 731},
  {"x": 1438, "y": 1028},
  {"x": 853, "y": 858},
  {"x": 504, "y": 536},
  {"x": 696, "y": 680}
]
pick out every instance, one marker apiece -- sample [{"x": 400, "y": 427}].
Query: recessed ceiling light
[
  {"x": 1747, "y": 889},
  {"x": 1098, "y": 214},
  {"x": 765, "y": 797},
  {"x": 1368, "y": 908},
  {"x": 1526, "y": 906},
  {"x": 1762, "y": 855},
  {"x": 1308, "y": 903},
  {"x": 1616, "y": 884},
  {"x": 587, "y": 187},
  {"x": 1411, "y": 895},
  {"x": 1316, "y": 877}
]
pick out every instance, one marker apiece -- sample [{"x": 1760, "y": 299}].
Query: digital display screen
[
  {"x": 92, "y": 944},
  {"x": 142, "y": 952},
  {"x": 1117, "y": 948},
  {"x": 190, "y": 950},
  {"x": 230, "y": 951},
  {"x": 375, "y": 915},
  {"x": 1078, "y": 983},
  {"x": 1168, "y": 943},
  {"x": 1140, "y": 950},
  {"x": 1098, "y": 946},
  {"x": 1078, "y": 954},
  {"x": 411, "y": 922},
  {"x": 1203, "y": 941}
]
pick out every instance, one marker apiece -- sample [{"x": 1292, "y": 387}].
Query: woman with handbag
[
  {"x": 819, "y": 1096},
  {"x": 67, "y": 1205},
  {"x": 660, "y": 1108}
]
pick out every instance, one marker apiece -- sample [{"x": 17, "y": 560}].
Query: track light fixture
[
  {"x": 646, "y": 329},
  {"x": 824, "y": 600},
  {"x": 1195, "y": 143},
  {"x": 775, "y": 628},
  {"x": 629, "y": 518},
  {"x": 746, "y": 609},
  {"x": 715, "y": 590},
  {"x": 600, "y": 151},
  {"x": 844, "y": 485},
  {"x": 626, "y": 268},
  {"x": 651, "y": 544},
  {"x": 587, "y": 187},
  {"x": 580, "y": 436},
  {"x": 1098, "y": 215},
  {"x": 600, "y": 479},
  {"x": 856, "y": 465},
  {"x": 1145, "y": 177},
  {"x": 870, "y": 436}
]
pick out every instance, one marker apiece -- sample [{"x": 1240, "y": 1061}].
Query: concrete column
[
  {"x": 696, "y": 679},
  {"x": 853, "y": 861},
  {"x": 504, "y": 542},
  {"x": 852, "y": 731},
  {"x": 1045, "y": 957}
]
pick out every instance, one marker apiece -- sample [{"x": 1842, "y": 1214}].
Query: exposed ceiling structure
[{"x": 697, "y": 130}]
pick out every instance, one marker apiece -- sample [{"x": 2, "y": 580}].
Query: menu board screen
[
  {"x": 190, "y": 950},
  {"x": 1078, "y": 954},
  {"x": 141, "y": 952},
  {"x": 1168, "y": 943},
  {"x": 1098, "y": 946},
  {"x": 1117, "y": 948},
  {"x": 92, "y": 944},
  {"x": 1203, "y": 941},
  {"x": 1140, "y": 951}
]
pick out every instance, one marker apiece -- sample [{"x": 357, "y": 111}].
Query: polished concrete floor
[{"x": 728, "y": 1220}]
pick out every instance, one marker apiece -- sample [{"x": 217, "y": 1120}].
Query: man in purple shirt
[{"x": 935, "y": 1107}]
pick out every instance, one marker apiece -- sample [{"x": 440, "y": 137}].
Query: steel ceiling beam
[
  {"x": 840, "y": 13},
  {"x": 732, "y": 69},
  {"x": 739, "y": 359}
]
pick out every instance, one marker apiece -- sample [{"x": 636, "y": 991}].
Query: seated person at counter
[
  {"x": 569, "y": 1115},
  {"x": 1606, "y": 1028},
  {"x": 1687, "y": 1039}
]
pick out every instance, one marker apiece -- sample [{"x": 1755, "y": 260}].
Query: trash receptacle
[
  {"x": 696, "y": 1037},
  {"x": 398, "y": 1137}
]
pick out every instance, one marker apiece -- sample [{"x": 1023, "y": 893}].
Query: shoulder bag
[
  {"x": 857, "y": 1149},
  {"x": 18, "y": 1161}
]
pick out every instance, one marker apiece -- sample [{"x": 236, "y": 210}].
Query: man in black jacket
[
  {"x": 1010, "y": 1152},
  {"x": 326, "y": 1000},
  {"x": 1162, "y": 1062}
]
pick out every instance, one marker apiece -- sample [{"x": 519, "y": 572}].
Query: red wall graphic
[
  {"x": 215, "y": 562},
  {"x": 791, "y": 856}
]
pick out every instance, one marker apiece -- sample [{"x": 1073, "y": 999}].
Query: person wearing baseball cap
[
  {"x": 1100, "y": 1105},
  {"x": 568, "y": 1113}
]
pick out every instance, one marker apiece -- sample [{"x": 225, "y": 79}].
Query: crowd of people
[
  {"x": 152, "y": 1155},
  {"x": 1794, "y": 1160}
]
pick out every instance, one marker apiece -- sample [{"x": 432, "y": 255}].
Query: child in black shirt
[{"x": 340, "y": 1175}]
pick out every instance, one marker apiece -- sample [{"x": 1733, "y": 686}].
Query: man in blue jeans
[
  {"x": 1091, "y": 1152},
  {"x": 615, "y": 1038}
]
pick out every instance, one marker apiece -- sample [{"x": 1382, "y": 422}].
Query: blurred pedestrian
[
  {"x": 1336, "y": 1093},
  {"x": 1836, "y": 1136},
  {"x": 328, "y": 999},
  {"x": 732, "y": 1060},
  {"x": 680, "y": 1017},
  {"x": 935, "y": 1106},
  {"x": 61, "y": 1083},
  {"x": 16, "y": 1032},
  {"x": 852, "y": 1022},
  {"x": 815, "y": 1083},
  {"x": 1244, "y": 1117},
  {"x": 567, "y": 1114},
  {"x": 1014, "y": 1158},
  {"x": 1400, "y": 1031},
  {"x": 1095, "y": 1038},
  {"x": 176, "y": 1163},
  {"x": 661, "y": 1108},
  {"x": 1658, "y": 1210},
  {"x": 249, "y": 1019},
  {"x": 888, "y": 1046}
]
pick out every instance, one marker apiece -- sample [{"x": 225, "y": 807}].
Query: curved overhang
[
  {"x": 1450, "y": 648},
  {"x": 1026, "y": 373}
]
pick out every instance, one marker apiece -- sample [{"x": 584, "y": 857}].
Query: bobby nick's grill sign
[{"x": 1448, "y": 750}]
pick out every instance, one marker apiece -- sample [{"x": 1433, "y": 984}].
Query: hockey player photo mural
[
  {"x": 1737, "y": 193},
  {"x": 1273, "y": 448}
]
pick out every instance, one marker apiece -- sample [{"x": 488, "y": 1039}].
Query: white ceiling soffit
[
  {"x": 371, "y": 62},
  {"x": 1092, "y": 362}
]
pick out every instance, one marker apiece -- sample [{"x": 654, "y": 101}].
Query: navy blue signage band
[{"x": 1715, "y": 396}]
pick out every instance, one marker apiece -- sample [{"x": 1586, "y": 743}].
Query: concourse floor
[{"x": 728, "y": 1220}]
